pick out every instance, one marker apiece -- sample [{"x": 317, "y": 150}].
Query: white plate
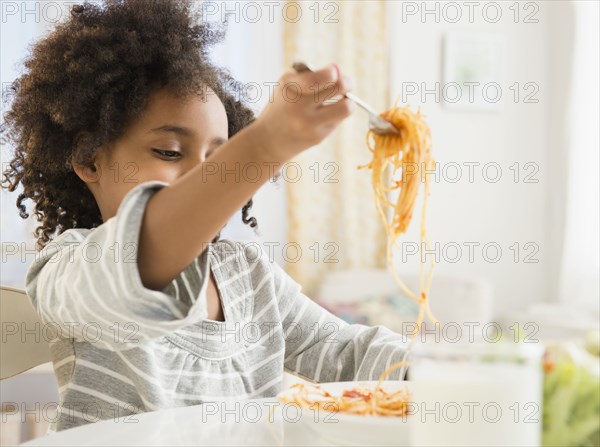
[{"x": 352, "y": 429}]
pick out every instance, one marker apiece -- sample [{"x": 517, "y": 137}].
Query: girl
[{"x": 125, "y": 134}]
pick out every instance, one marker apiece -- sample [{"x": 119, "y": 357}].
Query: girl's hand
[{"x": 296, "y": 119}]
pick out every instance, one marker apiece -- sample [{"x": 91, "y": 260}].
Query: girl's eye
[{"x": 167, "y": 154}]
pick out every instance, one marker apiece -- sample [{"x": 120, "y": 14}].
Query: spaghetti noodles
[{"x": 407, "y": 154}]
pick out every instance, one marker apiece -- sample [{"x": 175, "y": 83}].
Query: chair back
[{"x": 23, "y": 343}]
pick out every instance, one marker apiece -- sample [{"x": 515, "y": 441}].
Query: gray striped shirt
[{"x": 119, "y": 348}]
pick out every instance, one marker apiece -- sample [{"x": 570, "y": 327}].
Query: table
[{"x": 219, "y": 423}]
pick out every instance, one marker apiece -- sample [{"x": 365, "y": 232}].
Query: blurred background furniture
[{"x": 372, "y": 297}]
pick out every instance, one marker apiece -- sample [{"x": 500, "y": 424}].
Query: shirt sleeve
[
  {"x": 324, "y": 348},
  {"x": 87, "y": 284}
]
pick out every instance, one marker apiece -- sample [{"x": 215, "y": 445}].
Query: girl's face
[{"x": 170, "y": 138}]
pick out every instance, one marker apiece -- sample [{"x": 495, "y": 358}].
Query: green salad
[{"x": 572, "y": 395}]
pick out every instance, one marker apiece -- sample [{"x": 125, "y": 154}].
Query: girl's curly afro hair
[{"x": 92, "y": 76}]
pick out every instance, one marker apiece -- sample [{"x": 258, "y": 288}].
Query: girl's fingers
[
  {"x": 316, "y": 79},
  {"x": 334, "y": 112},
  {"x": 316, "y": 86}
]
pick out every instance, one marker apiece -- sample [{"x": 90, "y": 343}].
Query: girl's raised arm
[{"x": 181, "y": 219}]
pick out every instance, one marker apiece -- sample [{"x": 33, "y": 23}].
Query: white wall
[{"x": 506, "y": 212}]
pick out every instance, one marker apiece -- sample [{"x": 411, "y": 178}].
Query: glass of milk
[{"x": 478, "y": 394}]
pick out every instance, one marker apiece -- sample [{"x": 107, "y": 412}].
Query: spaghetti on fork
[{"x": 409, "y": 155}]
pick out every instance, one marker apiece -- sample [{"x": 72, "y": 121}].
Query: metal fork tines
[{"x": 377, "y": 124}]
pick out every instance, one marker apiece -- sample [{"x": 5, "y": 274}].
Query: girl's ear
[
  {"x": 89, "y": 174},
  {"x": 87, "y": 170}
]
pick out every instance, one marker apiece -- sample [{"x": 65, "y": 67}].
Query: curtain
[
  {"x": 579, "y": 276},
  {"x": 332, "y": 219}
]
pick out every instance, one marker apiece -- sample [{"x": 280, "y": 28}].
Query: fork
[{"x": 377, "y": 124}]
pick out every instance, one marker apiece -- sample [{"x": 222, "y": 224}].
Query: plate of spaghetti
[{"x": 353, "y": 413}]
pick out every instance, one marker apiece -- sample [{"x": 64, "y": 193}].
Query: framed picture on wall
[{"x": 473, "y": 71}]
